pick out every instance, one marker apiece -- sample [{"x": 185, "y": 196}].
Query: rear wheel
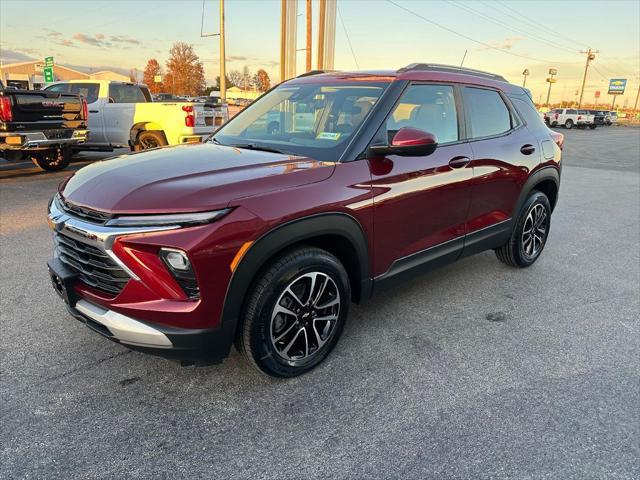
[
  {"x": 592, "y": 126},
  {"x": 296, "y": 311},
  {"x": 554, "y": 124},
  {"x": 148, "y": 139},
  {"x": 568, "y": 124},
  {"x": 530, "y": 233},
  {"x": 52, "y": 160}
]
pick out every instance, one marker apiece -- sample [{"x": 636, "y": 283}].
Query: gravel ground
[{"x": 474, "y": 371}]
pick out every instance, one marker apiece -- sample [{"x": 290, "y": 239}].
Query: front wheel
[
  {"x": 52, "y": 160},
  {"x": 568, "y": 124},
  {"x": 295, "y": 312},
  {"x": 530, "y": 233}
]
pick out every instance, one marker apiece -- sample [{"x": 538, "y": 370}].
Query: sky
[{"x": 503, "y": 37}]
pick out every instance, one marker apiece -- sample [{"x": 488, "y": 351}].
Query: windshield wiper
[{"x": 262, "y": 148}]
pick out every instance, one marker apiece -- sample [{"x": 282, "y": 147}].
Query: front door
[{"x": 421, "y": 203}]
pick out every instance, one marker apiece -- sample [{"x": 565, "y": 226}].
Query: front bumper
[
  {"x": 187, "y": 345},
  {"x": 40, "y": 140}
]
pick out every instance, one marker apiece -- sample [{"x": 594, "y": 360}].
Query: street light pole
[
  {"x": 525, "y": 74},
  {"x": 309, "y": 8},
  {"x": 590, "y": 56},
  {"x": 551, "y": 80}
]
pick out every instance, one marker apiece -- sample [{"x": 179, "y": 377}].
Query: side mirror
[{"x": 408, "y": 142}]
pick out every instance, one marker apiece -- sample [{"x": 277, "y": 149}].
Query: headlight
[{"x": 177, "y": 219}]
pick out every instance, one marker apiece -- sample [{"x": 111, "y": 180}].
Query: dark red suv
[{"x": 327, "y": 189}]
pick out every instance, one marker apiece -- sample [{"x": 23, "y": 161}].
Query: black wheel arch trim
[
  {"x": 546, "y": 173},
  {"x": 277, "y": 239}
]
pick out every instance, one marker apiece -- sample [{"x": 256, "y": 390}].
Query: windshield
[{"x": 307, "y": 119}]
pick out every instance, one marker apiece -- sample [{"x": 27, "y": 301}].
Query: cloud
[
  {"x": 65, "y": 43},
  {"x": 125, "y": 39},
  {"x": 89, "y": 40},
  {"x": 236, "y": 58},
  {"x": 14, "y": 56},
  {"x": 507, "y": 43},
  {"x": 100, "y": 36}
]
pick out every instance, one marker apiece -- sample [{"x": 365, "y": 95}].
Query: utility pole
[
  {"x": 591, "y": 55},
  {"x": 635, "y": 107},
  {"x": 525, "y": 74},
  {"x": 308, "y": 66},
  {"x": 321, "y": 29},
  {"x": 223, "y": 73}
]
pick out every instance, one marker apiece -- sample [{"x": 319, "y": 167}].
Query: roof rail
[
  {"x": 437, "y": 67},
  {"x": 314, "y": 72}
]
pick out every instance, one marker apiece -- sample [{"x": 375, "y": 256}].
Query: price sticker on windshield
[{"x": 329, "y": 136}]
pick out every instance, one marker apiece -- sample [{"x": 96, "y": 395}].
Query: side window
[
  {"x": 571, "y": 112},
  {"x": 431, "y": 108},
  {"x": 486, "y": 111},
  {"x": 122, "y": 93}
]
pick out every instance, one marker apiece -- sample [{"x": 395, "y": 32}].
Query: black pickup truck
[{"x": 42, "y": 125}]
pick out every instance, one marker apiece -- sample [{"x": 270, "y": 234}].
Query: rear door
[
  {"x": 119, "y": 112},
  {"x": 504, "y": 152}
]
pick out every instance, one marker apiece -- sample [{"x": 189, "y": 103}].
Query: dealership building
[{"x": 30, "y": 76}]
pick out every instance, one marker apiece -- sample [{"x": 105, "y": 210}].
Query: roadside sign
[
  {"x": 617, "y": 86},
  {"x": 48, "y": 74},
  {"x": 597, "y": 93},
  {"x": 157, "y": 78},
  {"x": 48, "y": 61}
]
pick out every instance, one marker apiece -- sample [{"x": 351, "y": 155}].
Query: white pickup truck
[
  {"x": 570, "y": 117},
  {"x": 123, "y": 114}
]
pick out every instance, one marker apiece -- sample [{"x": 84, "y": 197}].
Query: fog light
[
  {"x": 178, "y": 264},
  {"x": 176, "y": 259}
]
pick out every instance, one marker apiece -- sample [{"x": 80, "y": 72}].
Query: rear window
[
  {"x": 89, "y": 91},
  {"x": 487, "y": 112},
  {"x": 123, "y": 93}
]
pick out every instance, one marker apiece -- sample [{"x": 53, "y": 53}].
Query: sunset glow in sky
[{"x": 120, "y": 35}]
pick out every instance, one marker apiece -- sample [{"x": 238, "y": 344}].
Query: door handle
[
  {"x": 459, "y": 162},
  {"x": 527, "y": 149}
]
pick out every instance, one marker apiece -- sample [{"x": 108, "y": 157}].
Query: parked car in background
[
  {"x": 262, "y": 238},
  {"x": 42, "y": 126},
  {"x": 599, "y": 117},
  {"x": 613, "y": 118},
  {"x": 123, "y": 114},
  {"x": 569, "y": 118}
]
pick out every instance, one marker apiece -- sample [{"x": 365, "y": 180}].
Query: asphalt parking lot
[{"x": 474, "y": 371}]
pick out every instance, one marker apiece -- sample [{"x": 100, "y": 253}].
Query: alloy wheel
[
  {"x": 534, "y": 231},
  {"x": 305, "y": 316}
]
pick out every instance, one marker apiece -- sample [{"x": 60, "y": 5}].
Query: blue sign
[{"x": 617, "y": 86}]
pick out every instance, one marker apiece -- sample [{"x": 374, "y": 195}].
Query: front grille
[
  {"x": 93, "y": 266},
  {"x": 88, "y": 214}
]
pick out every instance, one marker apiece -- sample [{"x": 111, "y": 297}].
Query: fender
[
  {"x": 275, "y": 240},
  {"x": 545, "y": 173}
]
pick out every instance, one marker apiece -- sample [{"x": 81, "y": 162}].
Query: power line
[
  {"x": 513, "y": 29},
  {"x": 523, "y": 19},
  {"x": 489, "y": 46},
  {"x": 348, "y": 39}
]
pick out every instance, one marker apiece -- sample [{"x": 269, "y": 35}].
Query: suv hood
[{"x": 188, "y": 178}]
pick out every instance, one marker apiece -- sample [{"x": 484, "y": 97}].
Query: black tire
[
  {"x": 52, "y": 160},
  {"x": 554, "y": 124},
  {"x": 592, "y": 127},
  {"x": 568, "y": 124},
  {"x": 148, "y": 139},
  {"x": 264, "y": 333},
  {"x": 515, "y": 252}
]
